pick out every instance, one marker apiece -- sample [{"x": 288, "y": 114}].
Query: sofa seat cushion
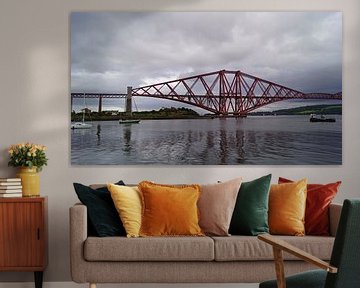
[
  {"x": 149, "y": 249},
  {"x": 244, "y": 248}
]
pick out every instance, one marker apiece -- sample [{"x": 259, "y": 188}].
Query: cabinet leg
[{"x": 38, "y": 279}]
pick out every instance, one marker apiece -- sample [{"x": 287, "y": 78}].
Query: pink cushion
[{"x": 216, "y": 205}]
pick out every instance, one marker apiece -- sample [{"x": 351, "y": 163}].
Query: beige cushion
[
  {"x": 242, "y": 248},
  {"x": 216, "y": 206},
  {"x": 97, "y": 186},
  {"x": 149, "y": 249}
]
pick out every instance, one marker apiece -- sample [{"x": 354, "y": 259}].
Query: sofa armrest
[
  {"x": 78, "y": 235},
  {"x": 334, "y": 217}
]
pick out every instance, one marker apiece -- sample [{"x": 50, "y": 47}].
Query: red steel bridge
[{"x": 224, "y": 93}]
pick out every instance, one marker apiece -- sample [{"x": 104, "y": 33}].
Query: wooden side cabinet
[{"x": 23, "y": 235}]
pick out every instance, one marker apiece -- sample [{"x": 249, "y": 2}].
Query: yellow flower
[
  {"x": 28, "y": 153},
  {"x": 41, "y": 147}
]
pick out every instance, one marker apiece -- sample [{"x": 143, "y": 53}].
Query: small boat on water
[
  {"x": 80, "y": 125},
  {"x": 321, "y": 118},
  {"x": 129, "y": 121}
]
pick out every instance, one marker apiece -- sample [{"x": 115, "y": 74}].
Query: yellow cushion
[
  {"x": 169, "y": 210},
  {"x": 127, "y": 201},
  {"x": 287, "y": 204}
]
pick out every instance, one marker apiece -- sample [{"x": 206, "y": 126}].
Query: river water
[{"x": 264, "y": 140}]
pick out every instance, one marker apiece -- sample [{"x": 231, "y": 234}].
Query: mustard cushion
[
  {"x": 127, "y": 201},
  {"x": 169, "y": 210},
  {"x": 287, "y": 204}
]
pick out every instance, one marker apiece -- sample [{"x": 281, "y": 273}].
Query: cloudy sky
[{"x": 110, "y": 51}]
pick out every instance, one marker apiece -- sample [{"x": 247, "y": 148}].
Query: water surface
[{"x": 269, "y": 140}]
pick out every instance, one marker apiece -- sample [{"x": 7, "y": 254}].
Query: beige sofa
[{"x": 234, "y": 259}]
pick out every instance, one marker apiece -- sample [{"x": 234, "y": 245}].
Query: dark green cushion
[
  {"x": 250, "y": 216},
  {"x": 103, "y": 218},
  {"x": 309, "y": 279}
]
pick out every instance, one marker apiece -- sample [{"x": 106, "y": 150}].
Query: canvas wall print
[{"x": 206, "y": 88}]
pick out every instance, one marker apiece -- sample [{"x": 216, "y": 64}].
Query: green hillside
[{"x": 306, "y": 110}]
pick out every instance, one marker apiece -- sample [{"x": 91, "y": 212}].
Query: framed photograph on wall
[{"x": 206, "y": 88}]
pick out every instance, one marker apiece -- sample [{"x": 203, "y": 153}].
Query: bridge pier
[
  {"x": 100, "y": 104},
  {"x": 128, "y": 109}
]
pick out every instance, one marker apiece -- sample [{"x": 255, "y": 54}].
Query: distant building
[
  {"x": 111, "y": 112},
  {"x": 86, "y": 110}
]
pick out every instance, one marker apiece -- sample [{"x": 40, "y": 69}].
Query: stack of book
[{"x": 10, "y": 187}]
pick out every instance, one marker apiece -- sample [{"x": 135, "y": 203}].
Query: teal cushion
[
  {"x": 250, "y": 216},
  {"x": 103, "y": 219},
  {"x": 309, "y": 279}
]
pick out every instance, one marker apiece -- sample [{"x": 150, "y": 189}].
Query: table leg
[{"x": 38, "y": 279}]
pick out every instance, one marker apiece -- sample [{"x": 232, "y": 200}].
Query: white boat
[
  {"x": 321, "y": 118},
  {"x": 130, "y": 121},
  {"x": 80, "y": 125}
]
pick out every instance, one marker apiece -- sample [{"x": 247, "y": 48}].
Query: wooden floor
[{"x": 74, "y": 285}]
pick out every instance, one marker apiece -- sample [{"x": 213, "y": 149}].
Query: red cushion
[{"x": 319, "y": 197}]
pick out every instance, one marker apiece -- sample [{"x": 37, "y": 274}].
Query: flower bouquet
[
  {"x": 30, "y": 158},
  {"x": 27, "y": 155}
]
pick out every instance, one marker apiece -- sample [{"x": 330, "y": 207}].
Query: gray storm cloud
[{"x": 301, "y": 50}]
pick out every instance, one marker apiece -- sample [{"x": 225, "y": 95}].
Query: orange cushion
[
  {"x": 169, "y": 210},
  {"x": 319, "y": 197},
  {"x": 287, "y": 204}
]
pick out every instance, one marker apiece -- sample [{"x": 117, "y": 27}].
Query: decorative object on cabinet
[
  {"x": 30, "y": 158},
  {"x": 10, "y": 187}
]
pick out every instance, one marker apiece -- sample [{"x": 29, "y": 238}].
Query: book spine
[
  {"x": 10, "y": 180},
  {"x": 10, "y": 188},
  {"x": 10, "y": 183}
]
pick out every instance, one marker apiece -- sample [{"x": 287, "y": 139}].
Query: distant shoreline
[
  {"x": 186, "y": 113},
  {"x": 305, "y": 110}
]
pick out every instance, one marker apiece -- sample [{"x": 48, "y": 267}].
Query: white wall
[{"x": 34, "y": 91}]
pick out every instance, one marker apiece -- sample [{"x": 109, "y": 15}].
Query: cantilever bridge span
[{"x": 227, "y": 93}]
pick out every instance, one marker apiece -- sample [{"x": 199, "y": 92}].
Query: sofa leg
[{"x": 92, "y": 285}]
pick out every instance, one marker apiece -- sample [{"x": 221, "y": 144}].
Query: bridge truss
[{"x": 226, "y": 93}]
